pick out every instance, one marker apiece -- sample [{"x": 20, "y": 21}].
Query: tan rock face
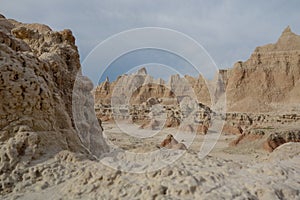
[
  {"x": 150, "y": 91},
  {"x": 140, "y": 86},
  {"x": 138, "y": 93},
  {"x": 200, "y": 89},
  {"x": 269, "y": 79},
  {"x": 235, "y": 130},
  {"x": 38, "y": 68}
]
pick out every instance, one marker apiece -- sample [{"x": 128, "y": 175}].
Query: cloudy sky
[{"x": 228, "y": 30}]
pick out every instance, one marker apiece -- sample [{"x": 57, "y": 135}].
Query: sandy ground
[
  {"x": 137, "y": 169},
  {"x": 129, "y": 137}
]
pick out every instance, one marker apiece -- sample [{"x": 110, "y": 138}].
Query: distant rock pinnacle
[
  {"x": 287, "y": 30},
  {"x": 142, "y": 71}
]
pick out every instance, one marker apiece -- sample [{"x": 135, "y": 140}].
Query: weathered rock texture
[
  {"x": 38, "y": 68},
  {"x": 137, "y": 96},
  {"x": 133, "y": 89},
  {"x": 187, "y": 178},
  {"x": 269, "y": 80}
]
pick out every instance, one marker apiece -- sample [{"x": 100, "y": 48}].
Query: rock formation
[
  {"x": 38, "y": 68},
  {"x": 171, "y": 143},
  {"x": 200, "y": 88},
  {"x": 137, "y": 93},
  {"x": 278, "y": 138},
  {"x": 135, "y": 89},
  {"x": 269, "y": 80},
  {"x": 259, "y": 92}
]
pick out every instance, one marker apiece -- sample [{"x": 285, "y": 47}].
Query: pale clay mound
[{"x": 45, "y": 149}]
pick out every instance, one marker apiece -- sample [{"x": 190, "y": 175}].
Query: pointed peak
[
  {"x": 142, "y": 71},
  {"x": 107, "y": 79},
  {"x": 288, "y": 38},
  {"x": 287, "y": 30}
]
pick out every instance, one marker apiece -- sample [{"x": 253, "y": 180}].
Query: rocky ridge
[
  {"x": 267, "y": 82},
  {"x": 260, "y": 92}
]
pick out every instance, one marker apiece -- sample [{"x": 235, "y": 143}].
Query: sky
[{"x": 227, "y": 30}]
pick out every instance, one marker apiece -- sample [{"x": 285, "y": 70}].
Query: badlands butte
[
  {"x": 57, "y": 141},
  {"x": 257, "y": 96}
]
